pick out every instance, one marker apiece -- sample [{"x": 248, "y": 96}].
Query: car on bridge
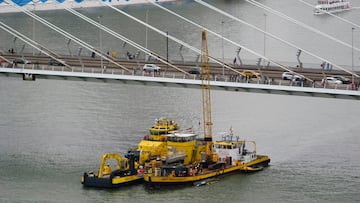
[
  {"x": 250, "y": 74},
  {"x": 21, "y": 61},
  {"x": 287, "y": 75},
  {"x": 343, "y": 79},
  {"x": 291, "y": 76},
  {"x": 194, "y": 70},
  {"x": 331, "y": 80},
  {"x": 54, "y": 62},
  {"x": 151, "y": 68}
]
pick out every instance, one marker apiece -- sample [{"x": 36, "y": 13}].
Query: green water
[{"x": 52, "y": 131}]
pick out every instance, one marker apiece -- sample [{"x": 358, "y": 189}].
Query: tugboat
[
  {"x": 193, "y": 161},
  {"x": 125, "y": 173},
  {"x": 163, "y": 126}
]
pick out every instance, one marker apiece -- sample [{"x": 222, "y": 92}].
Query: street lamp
[
  {"x": 264, "y": 38},
  {"x": 100, "y": 42},
  {"x": 222, "y": 46},
  {"x": 352, "y": 56},
  {"x": 146, "y": 33},
  {"x": 167, "y": 50},
  {"x": 33, "y": 25}
]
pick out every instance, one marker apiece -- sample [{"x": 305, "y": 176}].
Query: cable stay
[
  {"x": 226, "y": 39},
  {"x": 171, "y": 37},
  {"x": 68, "y": 35},
  {"x": 30, "y": 42},
  {"x": 273, "y": 36},
  {"x": 299, "y": 23},
  {"x": 126, "y": 40},
  {"x": 89, "y": 47}
]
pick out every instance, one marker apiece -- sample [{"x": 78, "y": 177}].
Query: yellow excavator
[{"x": 124, "y": 173}]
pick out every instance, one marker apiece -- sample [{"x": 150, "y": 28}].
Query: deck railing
[{"x": 179, "y": 75}]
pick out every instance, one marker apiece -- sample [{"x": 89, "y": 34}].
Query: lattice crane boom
[{"x": 205, "y": 86}]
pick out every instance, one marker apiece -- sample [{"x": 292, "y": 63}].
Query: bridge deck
[{"x": 184, "y": 82}]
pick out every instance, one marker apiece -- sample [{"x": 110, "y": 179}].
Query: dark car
[
  {"x": 21, "y": 61},
  {"x": 54, "y": 62},
  {"x": 194, "y": 71},
  {"x": 343, "y": 79}
]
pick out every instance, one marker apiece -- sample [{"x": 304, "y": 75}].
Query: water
[{"x": 52, "y": 131}]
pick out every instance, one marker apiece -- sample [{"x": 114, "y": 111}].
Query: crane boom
[{"x": 205, "y": 87}]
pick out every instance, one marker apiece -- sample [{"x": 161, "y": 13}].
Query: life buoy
[
  {"x": 191, "y": 172},
  {"x": 140, "y": 171}
]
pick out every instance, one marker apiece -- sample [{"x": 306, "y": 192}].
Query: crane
[{"x": 205, "y": 89}]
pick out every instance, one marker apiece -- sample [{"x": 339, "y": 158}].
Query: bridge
[
  {"x": 175, "y": 74},
  {"x": 179, "y": 79}
]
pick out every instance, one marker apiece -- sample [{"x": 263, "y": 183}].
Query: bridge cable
[
  {"x": 29, "y": 41},
  {"x": 273, "y": 36},
  {"x": 226, "y": 39},
  {"x": 299, "y": 23},
  {"x": 171, "y": 37},
  {"x": 68, "y": 35},
  {"x": 117, "y": 35}
]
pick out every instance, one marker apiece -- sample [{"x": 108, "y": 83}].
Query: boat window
[{"x": 180, "y": 138}]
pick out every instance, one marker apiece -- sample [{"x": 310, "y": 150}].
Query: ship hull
[
  {"x": 108, "y": 182},
  {"x": 153, "y": 181}
]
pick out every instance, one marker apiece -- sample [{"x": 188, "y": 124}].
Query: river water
[{"x": 52, "y": 131}]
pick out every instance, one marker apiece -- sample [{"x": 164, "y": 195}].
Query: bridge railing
[{"x": 179, "y": 75}]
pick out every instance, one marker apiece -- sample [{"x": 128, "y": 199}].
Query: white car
[
  {"x": 151, "y": 68},
  {"x": 331, "y": 80},
  {"x": 287, "y": 75},
  {"x": 291, "y": 76},
  {"x": 343, "y": 79}
]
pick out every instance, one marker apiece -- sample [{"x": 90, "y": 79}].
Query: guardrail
[{"x": 177, "y": 75}]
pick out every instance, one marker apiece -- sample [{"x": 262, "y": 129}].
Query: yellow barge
[{"x": 195, "y": 167}]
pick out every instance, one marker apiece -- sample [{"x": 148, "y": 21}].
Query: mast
[{"x": 205, "y": 87}]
